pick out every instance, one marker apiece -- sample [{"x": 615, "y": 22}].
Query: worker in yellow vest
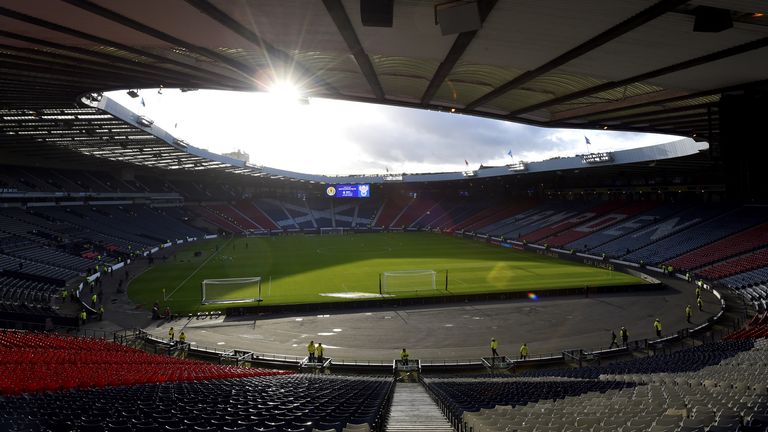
[
  {"x": 170, "y": 334},
  {"x": 311, "y": 352},
  {"x": 494, "y": 346},
  {"x": 524, "y": 352},
  {"x": 657, "y": 327},
  {"x": 688, "y": 313},
  {"x": 404, "y": 357},
  {"x": 319, "y": 352}
]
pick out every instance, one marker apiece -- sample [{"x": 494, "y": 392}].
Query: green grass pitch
[{"x": 302, "y": 267}]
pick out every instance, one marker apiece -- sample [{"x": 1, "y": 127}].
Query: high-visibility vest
[
  {"x": 657, "y": 325},
  {"x": 182, "y": 337},
  {"x": 524, "y": 350},
  {"x": 319, "y": 350},
  {"x": 494, "y": 344},
  {"x": 404, "y": 355},
  {"x": 311, "y": 348}
]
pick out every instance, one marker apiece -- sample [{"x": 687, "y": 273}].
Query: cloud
[{"x": 337, "y": 137}]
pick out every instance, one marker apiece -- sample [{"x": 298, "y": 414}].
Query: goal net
[
  {"x": 407, "y": 280},
  {"x": 333, "y": 231},
  {"x": 232, "y": 290}
]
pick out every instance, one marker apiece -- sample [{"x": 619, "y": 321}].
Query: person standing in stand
[{"x": 311, "y": 352}]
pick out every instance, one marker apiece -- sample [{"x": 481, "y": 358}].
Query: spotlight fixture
[
  {"x": 144, "y": 121},
  {"x": 133, "y": 93},
  {"x": 94, "y": 97}
]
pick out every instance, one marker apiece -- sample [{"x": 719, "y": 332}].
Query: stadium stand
[
  {"x": 448, "y": 215},
  {"x": 750, "y": 278},
  {"x": 321, "y": 212},
  {"x": 547, "y": 231},
  {"x": 743, "y": 263},
  {"x": 756, "y": 328},
  {"x": 16, "y": 294},
  {"x": 64, "y": 383},
  {"x": 659, "y": 229},
  {"x": 366, "y": 213},
  {"x": 721, "y": 390},
  {"x": 52, "y": 274},
  {"x": 249, "y": 210},
  {"x": 599, "y": 223},
  {"x": 343, "y": 215},
  {"x": 745, "y": 241},
  {"x": 391, "y": 210},
  {"x": 232, "y": 215},
  {"x": 489, "y": 216},
  {"x": 218, "y": 220},
  {"x": 686, "y": 360},
  {"x": 415, "y": 210},
  {"x": 275, "y": 211},
  {"x": 544, "y": 215},
  {"x": 470, "y": 395},
  {"x": 441, "y": 213},
  {"x": 33, "y": 362},
  {"x": 616, "y": 232},
  {"x": 47, "y": 255},
  {"x": 700, "y": 235}
]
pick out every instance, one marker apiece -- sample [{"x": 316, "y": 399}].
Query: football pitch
[{"x": 315, "y": 269}]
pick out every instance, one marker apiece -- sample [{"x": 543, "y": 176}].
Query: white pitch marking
[{"x": 198, "y": 269}]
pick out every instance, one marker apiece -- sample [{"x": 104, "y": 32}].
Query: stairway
[{"x": 414, "y": 411}]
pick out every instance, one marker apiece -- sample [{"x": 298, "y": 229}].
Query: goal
[
  {"x": 333, "y": 231},
  {"x": 232, "y": 290},
  {"x": 408, "y": 281}
]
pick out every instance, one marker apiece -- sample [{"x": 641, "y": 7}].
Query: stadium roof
[{"x": 626, "y": 65}]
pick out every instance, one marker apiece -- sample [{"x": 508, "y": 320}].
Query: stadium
[{"x": 150, "y": 284}]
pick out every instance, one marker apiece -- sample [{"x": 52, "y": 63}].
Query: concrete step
[{"x": 413, "y": 410}]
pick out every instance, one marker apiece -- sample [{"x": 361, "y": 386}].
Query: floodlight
[{"x": 144, "y": 121}]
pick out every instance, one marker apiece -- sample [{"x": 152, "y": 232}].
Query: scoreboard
[{"x": 349, "y": 191}]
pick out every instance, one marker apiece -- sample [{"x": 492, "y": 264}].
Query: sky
[{"x": 324, "y": 136}]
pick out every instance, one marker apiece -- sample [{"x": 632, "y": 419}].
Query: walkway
[{"x": 414, "y": 411}]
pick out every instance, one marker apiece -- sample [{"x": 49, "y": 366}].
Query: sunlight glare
[{"x": 285, "y": 91}]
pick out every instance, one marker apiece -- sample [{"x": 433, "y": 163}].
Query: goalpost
[
  {"x": 407, "y": 281},
  {"x": 232, "y": 290},
  {"x": 333, "y": 231}
]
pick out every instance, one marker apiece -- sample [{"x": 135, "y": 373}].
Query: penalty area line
[{"x": 198, "y": 269}]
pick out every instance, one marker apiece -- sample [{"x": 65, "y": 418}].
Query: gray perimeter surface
[{"x": 459, "y": 331}]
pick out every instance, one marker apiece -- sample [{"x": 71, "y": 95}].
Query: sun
[{"x": 285, "y": 91}]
